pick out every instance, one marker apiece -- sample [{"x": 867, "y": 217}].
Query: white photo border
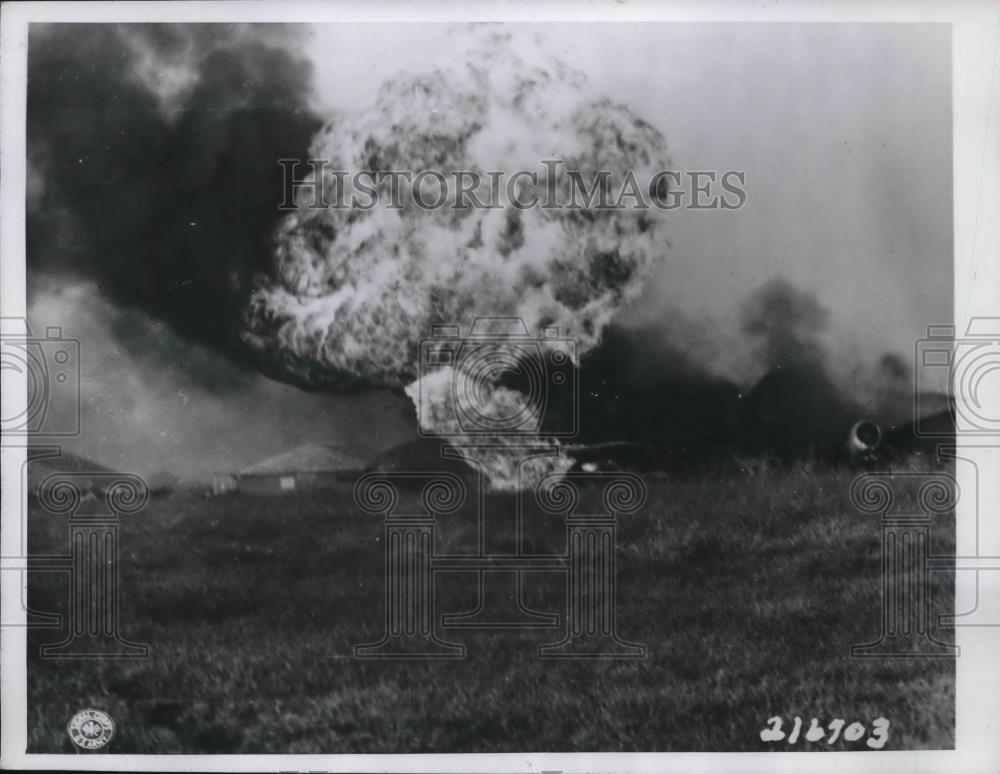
[{"x": 976, "y": 180}]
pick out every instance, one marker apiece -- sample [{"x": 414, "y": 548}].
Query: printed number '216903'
[{"x": 816, "y": 733}]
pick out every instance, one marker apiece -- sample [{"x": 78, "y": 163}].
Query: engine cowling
[{"x": 864, "y": 442}]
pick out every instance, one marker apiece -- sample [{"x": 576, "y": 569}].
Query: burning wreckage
[
  {"x": 343, "y": 299},
  {"x": 497, "y": 322},
  {"x": 358, "y": 292}
]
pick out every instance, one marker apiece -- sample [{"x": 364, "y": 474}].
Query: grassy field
[{"x": 747, "y": 592}]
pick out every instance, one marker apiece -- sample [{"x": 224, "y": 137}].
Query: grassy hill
[{"x": 747, "y": 593}]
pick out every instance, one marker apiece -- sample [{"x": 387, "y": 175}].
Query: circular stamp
[{"x": 91, "y": 729}]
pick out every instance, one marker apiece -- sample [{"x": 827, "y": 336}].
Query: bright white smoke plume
[{"x": 357, "y": 290}]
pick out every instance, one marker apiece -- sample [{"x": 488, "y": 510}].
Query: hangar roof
[{"x": 308, "y": 458}]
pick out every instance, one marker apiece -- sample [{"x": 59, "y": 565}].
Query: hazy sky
[{"x": 843, "y": 131}]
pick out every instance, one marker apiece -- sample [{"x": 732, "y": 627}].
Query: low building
[
  {"x": 223, "y": 484},
  {"x": 304, "y": 468},
  {"x": 44, "y": 461}
]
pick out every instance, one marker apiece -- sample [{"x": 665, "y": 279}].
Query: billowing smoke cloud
[
  {"x": 646, "y": 386},
  {"x": 663, "y": 383},
  {"x": 890, "y": 393},
  {"x": 153, "y": 181},
  {"x": 796, "y": 408},
  {"x": 358, "y": 290},
  {"x": 786, "y": 323},
  {"x": 153, "y": 161}
]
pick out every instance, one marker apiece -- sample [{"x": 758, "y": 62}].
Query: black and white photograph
[{"x": 476, "y": 384}]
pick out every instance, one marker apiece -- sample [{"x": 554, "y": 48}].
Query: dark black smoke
[
  {"x": 168, "y": 201},
  {"x": 638, "y": 386},
  {"x": 795, "y": 409},
  {"x": 646, "y": 404},
  {"x": 894, "y": 371},
  {"x": 796, "y": 412},
  {"x": 785, "y": 323},
  {"x": 892, "y": 399},
  {"x": 169, "y": 205},
  {"x": 642, "y": 386}
]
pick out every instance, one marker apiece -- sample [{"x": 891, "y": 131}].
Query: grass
[{"x": 747, "y": 592}]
